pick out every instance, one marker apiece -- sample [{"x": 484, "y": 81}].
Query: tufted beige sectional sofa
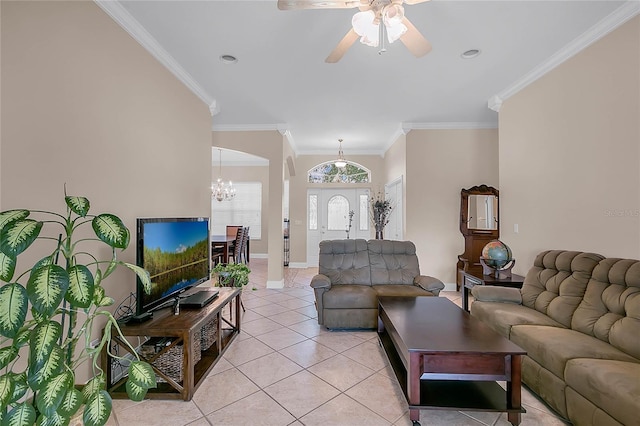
[
  {"x": 353, "y": 273},
  {"x": 578, "y": 317}
]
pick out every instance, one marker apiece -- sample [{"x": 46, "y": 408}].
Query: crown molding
[
  {"x": 615, "y": 19},
  {"x": 123, "y": 18},
  {"x": 450, "y": 125},
  {"x": 214, "y": 109},
  {"x": 249, "y": 127}
]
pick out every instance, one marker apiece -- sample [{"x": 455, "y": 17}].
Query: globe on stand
[{"x": 497, "y": 260}]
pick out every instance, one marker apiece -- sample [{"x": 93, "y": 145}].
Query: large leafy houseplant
[
  {"x": 64, "y": 296},
  {"x": 232, "y": 274}
]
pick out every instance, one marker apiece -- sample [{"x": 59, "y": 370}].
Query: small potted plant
[
  {"x": 232, "y": 274},
  {"x": 49, "y": 308}
]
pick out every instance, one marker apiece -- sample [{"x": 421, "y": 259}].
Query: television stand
[{"x": 166, "y": 332}]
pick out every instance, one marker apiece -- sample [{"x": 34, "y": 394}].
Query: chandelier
[
  {"x": 222, "y": 191},
  {"x": 340, "y": 162}
]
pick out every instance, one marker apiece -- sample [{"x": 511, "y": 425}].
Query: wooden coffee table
[{"x": 445, "y": 359}]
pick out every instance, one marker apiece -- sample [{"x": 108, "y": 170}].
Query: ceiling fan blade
[
  {"x": 415, "y": 42},
  {"x": 414, "y": 1},
  {"x": 313, "y": 4},
  {"x": 342, "y": 47}
]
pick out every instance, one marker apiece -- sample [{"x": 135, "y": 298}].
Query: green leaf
[
  {"x": 81, "y": 286},
  {"x": 21, "y": 415},
  {"x": 20, "y": 386},
  {"x": 10, "y": 216},
  {"x": 110, "y": 229},
  {"x": 7, "y": 354},
  {"x": 45, "y": 261},
  {"x": 22, "y": 338},
  {"x": 70, "y": 403},
  {"x": 142, "y": 374},
  {"x": 136, "y": 393},
  {"x": 98, "y": 295},
  {"x": 6, "y": 390},
  {"x": 13, "y": 309},
  {"x": 43, "y": 339},
  {"x": 145, "y": 279},
  {"x": 97, "y": 409},
  {"x": 93, "y": 386},
  {"x": 53, "y": 420},
  {"x": 106, "y": 301},
  {"x": 78, "y": 205},
  {"x": 52, "y": 366},
  {"x": 50, "y": 396},
  {"x": 46, "y": 288},
  {"x": 7, "y": 267},
  {"x": 17, "y": 236}
]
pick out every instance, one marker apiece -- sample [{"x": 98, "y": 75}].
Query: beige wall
[
  {"x": 250, "y": 174},
  {"x": 84, "y": 104},
  {"x": 569, "y": 155},
  {"x": 439, "y": 164},
  {"x": 298, "y": 195},
  {"x": 395, "y": 166},
  {"x": 269, "y": 145}
]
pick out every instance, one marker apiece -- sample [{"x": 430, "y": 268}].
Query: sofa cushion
[
  {"x": 502, "y": 316},
  {"x": 610, "y": 309},
  {"x": 400, "y": 290},
  {"x": 350, "y": 297},
  {"x": 553, "y": 347},
  {"x": 557, "y": 281},
  {"x": 345, "y": 261},
  {"x": 393, "y": 262},
  {"x": 614, "y": 386}
]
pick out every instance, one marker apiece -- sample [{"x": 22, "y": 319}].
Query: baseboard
[
  {"x": 275, "y": 284},
  {"x": 260, "y": 255},
  {"x": 298, "y": 265},
  {"x": 450, "y": 287}
]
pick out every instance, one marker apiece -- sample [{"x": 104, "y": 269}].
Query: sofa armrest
[
  {"x": 320, "y": 284},
  {"x": 491, "y": 293},
  {"x": 320, "y": 281},
  {"x": 431, "y": 284}
]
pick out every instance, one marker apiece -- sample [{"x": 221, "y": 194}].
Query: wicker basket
[
  {"x": 209, "y": 334},
  {"x": 170, "y": 362}
]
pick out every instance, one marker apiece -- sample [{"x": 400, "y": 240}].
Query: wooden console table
[
  {"x": 178, "y": 330},
  {"x": 475, "y": 277}
]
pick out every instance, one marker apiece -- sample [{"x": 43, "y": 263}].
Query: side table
[{"x": 474, "y": 278}]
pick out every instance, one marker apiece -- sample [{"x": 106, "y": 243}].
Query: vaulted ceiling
[{"x": 280, "y": 80}]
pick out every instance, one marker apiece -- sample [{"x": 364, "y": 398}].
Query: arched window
[{"x": 328, "y": 173}]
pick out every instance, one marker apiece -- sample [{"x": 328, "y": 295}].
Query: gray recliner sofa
[
  {"x": 353, "y": 273},
  {"x": 578, "y": 317}
]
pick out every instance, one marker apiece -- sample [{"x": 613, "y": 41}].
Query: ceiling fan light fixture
[
  {"x": 394, "y": 32},
  {"x": 393, "y": 14},
  {"x": 365, "y": 26}
]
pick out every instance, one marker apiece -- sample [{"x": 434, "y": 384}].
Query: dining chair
[
  {"x": 234, "y": 250},
  {"x": 244, "y": 251}
]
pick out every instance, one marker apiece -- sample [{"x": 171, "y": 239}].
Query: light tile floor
[{"x": 285, "y": 369}]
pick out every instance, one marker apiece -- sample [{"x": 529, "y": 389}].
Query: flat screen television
[{"x": 175, "y": 252}]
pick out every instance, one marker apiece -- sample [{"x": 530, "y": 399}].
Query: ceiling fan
[{"x": 366, "y": 24}]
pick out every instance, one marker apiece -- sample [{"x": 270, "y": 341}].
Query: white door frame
[
  {"x": 394, "y": 191},
  {"x": 361, "y": 227}
]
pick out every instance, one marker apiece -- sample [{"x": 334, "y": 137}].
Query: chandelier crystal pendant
[
  {"x": 340, "y": 162},
  {"x": 222, "y": 191}
]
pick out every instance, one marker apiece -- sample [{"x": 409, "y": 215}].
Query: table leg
[
  {"x": 465, "y": 297},
  {"x": 413, "y": 385},
  {"x": 514, "y": 389}
]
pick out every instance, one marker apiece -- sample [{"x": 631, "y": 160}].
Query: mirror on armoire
[{"x": 479, "y": 224}]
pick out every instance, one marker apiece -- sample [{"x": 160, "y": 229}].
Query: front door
[{"x": 335, "y": 214}]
